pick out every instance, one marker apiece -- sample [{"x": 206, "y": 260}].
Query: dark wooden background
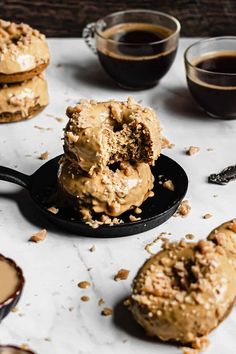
[{"x": 67, "y": 18}]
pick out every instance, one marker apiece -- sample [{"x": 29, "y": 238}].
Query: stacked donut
[
  {"x": 187, "y": 289},
  {"x": 109, "y": 147},
  {"x": 24, "y": 55}
]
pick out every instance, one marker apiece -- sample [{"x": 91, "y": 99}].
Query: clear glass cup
[
  {"x": 211, "y": 75},
  {"x": 134, "y": 64}
]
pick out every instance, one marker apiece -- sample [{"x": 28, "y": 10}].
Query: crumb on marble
[
  {"x": 101, "y": 301},
  {"x": 44, "y": 155},
  {"x": 107, "y": 311},
  {"x": 183, "y": 209},
  {"x": 207, "y": 216},
  {"x": 85, "y": 298},
  {"x": 192, "y": 150},
  {"x": 166, "y": 144},
  {"x": 92, "y": 248},
  {"x": 84, "y": 284},
  {"x": 122, "y": 274},
  {"x": 14, "y": 309},
  {"x": 38, "y": 236}
]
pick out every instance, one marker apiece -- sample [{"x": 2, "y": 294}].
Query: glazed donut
[
  {"x": 24, "y": 100},
  {"x": 106, "y": 191},
  {"x": 23, "y": 52},
  {"x": 184, "y": 291},
  {"x": 12, "y": 349},
  {"x": 225, "y": 236},
  {"x": 101, "y": 133}
]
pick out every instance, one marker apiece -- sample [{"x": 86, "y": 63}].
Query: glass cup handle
[{"x": 88, "y": 36}]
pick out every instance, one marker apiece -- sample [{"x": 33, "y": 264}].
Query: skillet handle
[{"x": 13, "y": 176}]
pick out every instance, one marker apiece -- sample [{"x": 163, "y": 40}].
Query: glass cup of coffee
[
  {"x": 211, "y": 75},
  {"x": 135, "y": 47}
]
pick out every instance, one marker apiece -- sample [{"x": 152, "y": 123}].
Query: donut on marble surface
[
  {"x": 23, "y": 52},
  {"x": 184, "y": 291}
]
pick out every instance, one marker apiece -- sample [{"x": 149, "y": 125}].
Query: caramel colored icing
[
  {"x": 21, "y": 97},
  {"x": 106, "y": 191},
  {"x": 225, "y": 236},
  {"x": 184, "y": 291},
  {"x": 101, "y": 133},
  {"x": 12, "y": 350},
  {"x": 22, "y": 48},
  {"x": 9, "y": 280}
]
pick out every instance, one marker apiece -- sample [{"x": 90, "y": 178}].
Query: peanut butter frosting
[
  {"x": 225, "y": 235},
  {"x": 107, "y": 191},
  {"x": 21, "y": 97},
  {"x": 102, "y": 133},
  {"x": 13, "y": 350},
  {"x": 22, "y": 48},
  {"x": 184, "y": 291},
  {"x": 9, "y": 280}
]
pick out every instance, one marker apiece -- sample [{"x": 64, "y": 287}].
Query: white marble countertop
[{"x": 51, "y": 318}]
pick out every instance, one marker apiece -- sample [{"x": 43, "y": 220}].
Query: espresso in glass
[
  {"x": 135, "y": 47},
  {"x": 133, "y": 58},
  {"x": 211, "y": 79}
]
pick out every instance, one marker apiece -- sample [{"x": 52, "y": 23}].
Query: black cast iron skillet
[{"x": 155, "y": 211}]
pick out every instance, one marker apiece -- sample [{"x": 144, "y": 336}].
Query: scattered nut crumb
[
  {"x": 85, "y": 298},
  {"x": 71, "y": 308},
  {"x": 183, "y": 209},
  {"x": 101, "y": 301},
  {"x": 189, "y": 236},
  {"x": 39, "y": 236},
  {"x": 84, "y": 284},
  {"x": 138, "y": 211},
  {"x": 92, "y": 249},
  {"x": 210, "y": 149},
  {"x": 192, "y": 150},
  {"x": 207, "y": 216},
  {"x": 215, "y": 195},
  {"x": 169, "y": 185},
  {"x": 59, "y": 65},
  {"x": 122, "y": 274},
  {"x": 15, "y": 309},
  {"x": 107, "y": 311},
  {"x": 44, "y": 156},
  {"x": 53, "y": 210},
  {"x": 166, "y": 144},
  {"x": 133, "y": 218}
]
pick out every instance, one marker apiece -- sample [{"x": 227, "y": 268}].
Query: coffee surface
[
  {"x": 221, "y": 62},
  {"x": 137, "y": 33},
  {"x": 9, "y": 279}
]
